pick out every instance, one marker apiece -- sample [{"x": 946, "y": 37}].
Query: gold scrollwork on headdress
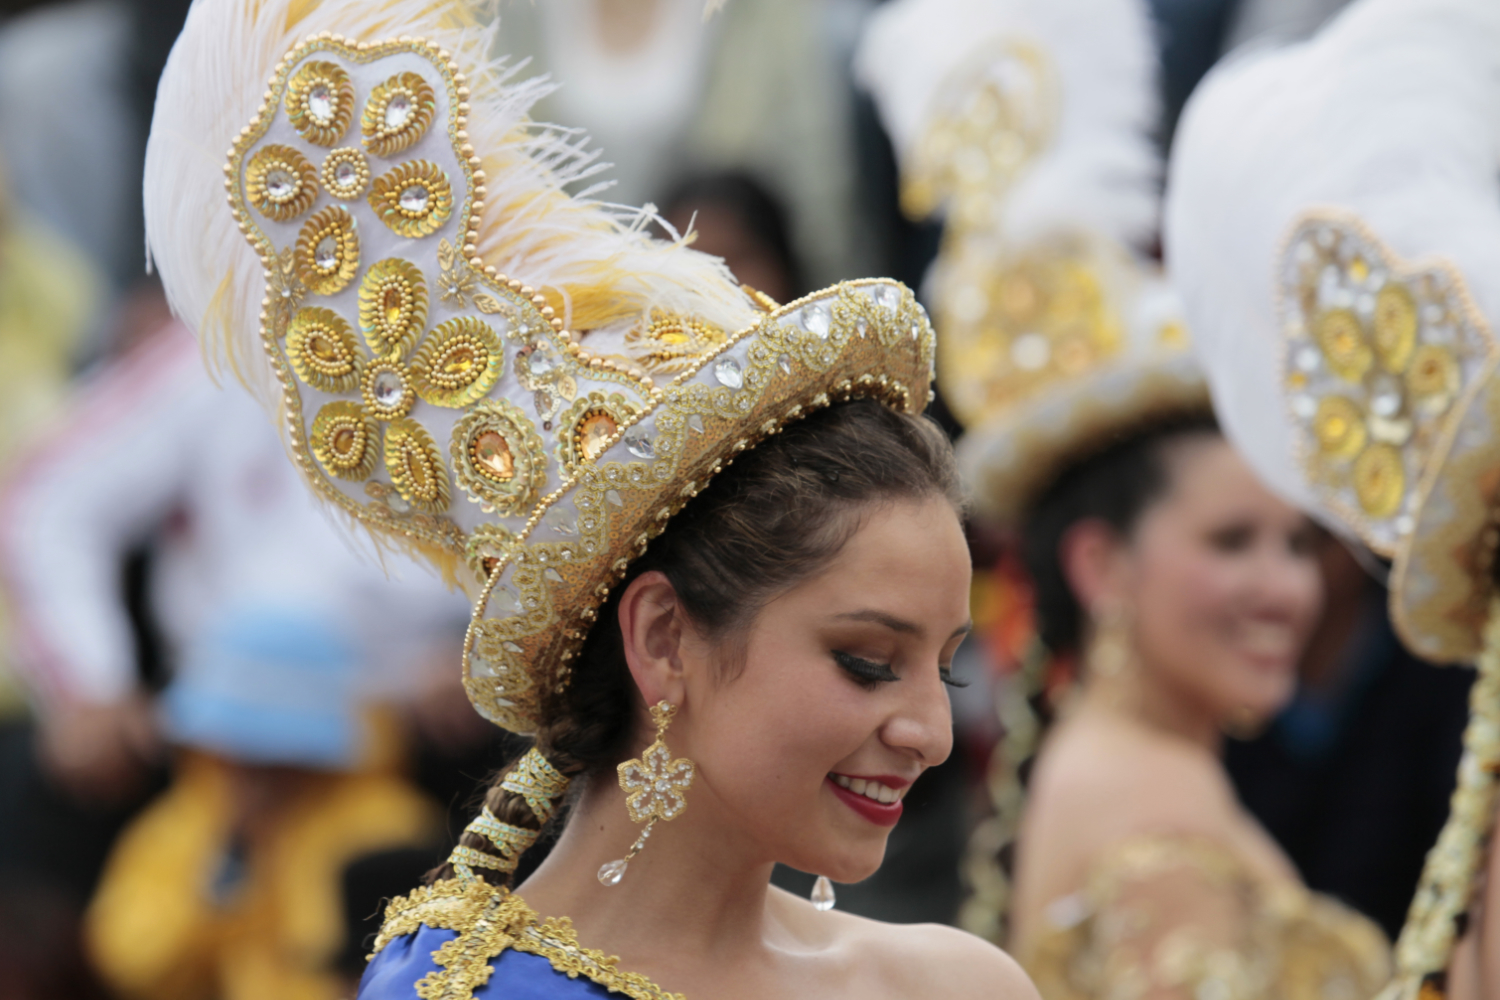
[
  {"x": 498, "y": 457},
  {"x": 345, "y": 173},
  {"x": 320, "y": 102},
  {"x": 458, "y": 363},
  {"x": 281, "y": 183},
  {"x": 323, "y": 350},
  {"x": 415, "y": 467},
  {"x": 397, "y": 114},
  {"x": 343, "y": 440},
  {"x": 392, "y": 306},
  {"x": 588, "y": 427},
  {"x": 486, "y": 548},
  {"x": 494, "y": 673},
  {"x": 414, "y": 199},
  {"x": 327, "y": 255},
  {"x": 1377, "y": 354},
  {"x": 671, "y": 343}
]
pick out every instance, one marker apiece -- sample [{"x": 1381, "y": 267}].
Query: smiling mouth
[{"x": 869, "y": 788}]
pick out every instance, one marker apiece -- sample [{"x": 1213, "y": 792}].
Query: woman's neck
[
  {"x": 698, "y": 888},
  {"x": 1135, "y": 693}
]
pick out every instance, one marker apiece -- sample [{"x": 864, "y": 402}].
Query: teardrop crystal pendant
[
  {"x": 822, "y": 892},
  {"x": 611, "y": 873}
]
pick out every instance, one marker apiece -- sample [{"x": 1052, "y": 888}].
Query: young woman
[{"x": 714, "y": 549}]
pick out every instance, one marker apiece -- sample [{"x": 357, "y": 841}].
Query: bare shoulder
[
  {"x": 922, "y": 960},
  {"x": 1117, "y": 780}
]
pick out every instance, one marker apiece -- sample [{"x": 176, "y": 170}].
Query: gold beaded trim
[
  {"x": 323, "y": 350},
  {"x": 327, "y": 254},
  {"x": 458, "y": 363},
  {"x": 510, "y": 841},
  {"x": 345, "y": 173},
  {"x": 414, "y": 200},
  {"x": 398, "y": 114},
  {"x": 535, "y": 779},
  {"x": 376, "y": 383},
  {"x": 320, "y": 102},
  {"x": 281, "y": 184},
  {"x": 465, "y": 859},
  {"x": 343, "y": 440}
]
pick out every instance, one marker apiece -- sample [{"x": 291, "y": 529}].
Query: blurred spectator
[
  {"x": 762, "y": 87},
  {"x": 1353, "y": 778},
  {"x": 736, "y": 218}
]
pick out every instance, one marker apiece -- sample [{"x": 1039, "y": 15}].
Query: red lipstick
[{"x": 879, "y": 813}]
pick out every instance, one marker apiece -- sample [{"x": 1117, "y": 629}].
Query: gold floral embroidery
[
  {"x": 670, "y": 343},
  {"x": 323, "y": 351},
  {"x": 320, "y": 102},
  {"x": 458, "y": 363},
  {"x": 497, "y": 457},
  {"x": 416, "y": 468},
  {"x": 345, "y": 173},
  {"x": 589, "y": 426},
  {"x": 398, "y": 114},
  {"x": 343, "y": 439},
  {"x": 414, "y": 199},
  {"x": 488, "y": 920},
  {"x": 327, "y": 254},
  {"x": 392, "y": 305},
  {"x": 281, "y": 183}
]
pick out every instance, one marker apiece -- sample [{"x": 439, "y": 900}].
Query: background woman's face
[
  {"x": 842, "y": 682},
  {"x": 1223, "y": 583}
]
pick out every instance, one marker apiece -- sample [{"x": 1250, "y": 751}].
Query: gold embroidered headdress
[
  {"x": 520, "y": 383},
  {"x": 1026, "y": 124},
  {"x": 1333, "y": 227}
]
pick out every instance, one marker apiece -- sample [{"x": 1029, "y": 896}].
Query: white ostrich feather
[
  {"x": 1100, "y": 171},
  {"x": 597, "y": 259},
  {"x": 1393, "y": 113}
]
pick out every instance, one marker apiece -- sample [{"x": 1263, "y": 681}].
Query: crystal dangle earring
[
  {"x": 654, "y": 784},
  {"x": 822, "y": 893}
]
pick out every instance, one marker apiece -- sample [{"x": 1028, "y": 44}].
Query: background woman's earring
[
  {"x": 1110, "y": 650},
  {"x": 654, "y": 785},
  {"x": 822, "y": 893}
]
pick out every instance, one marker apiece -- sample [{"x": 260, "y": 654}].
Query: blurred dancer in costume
[
  {"x": 262, "y": 603},
  {"x": 1333, "y": 226},
  {"x": 1175, "y": 590},
  {"x": 723, "y": 666}
]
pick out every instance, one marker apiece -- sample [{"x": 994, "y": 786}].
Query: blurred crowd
[{"x": 201, "y": 679}]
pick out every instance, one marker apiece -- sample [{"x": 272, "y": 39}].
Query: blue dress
[{"x": 468, "y": 940}]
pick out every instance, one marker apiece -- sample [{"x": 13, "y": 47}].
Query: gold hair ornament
[
  {"x": 538, "y": 782},
  {"x": 655, "y": 786}
]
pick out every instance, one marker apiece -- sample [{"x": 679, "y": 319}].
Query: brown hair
[{"x": 783, "y": 510}]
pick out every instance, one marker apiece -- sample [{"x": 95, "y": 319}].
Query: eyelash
[{"x": 869, "y": 675}]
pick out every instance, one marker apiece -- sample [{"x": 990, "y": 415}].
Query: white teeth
[{"x": 870, "y": 789}]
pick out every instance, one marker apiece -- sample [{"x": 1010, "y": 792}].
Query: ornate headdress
[
  {"x": 1332, "y": 225},
  {"x": 1027, "y": 124},
  {"x": 519, "y": 383}
]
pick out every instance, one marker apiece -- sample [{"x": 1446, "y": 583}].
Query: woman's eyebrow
[{"x": 894, "y": 623}]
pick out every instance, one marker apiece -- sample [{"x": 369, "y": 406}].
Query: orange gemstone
[
  {"x": 492, "y": 452},
  {"x": 594, "y": 430},
  {"x": 344, "y": 440}
]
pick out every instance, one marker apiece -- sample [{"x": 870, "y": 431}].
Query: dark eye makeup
[{"x": 869, "y": 674}]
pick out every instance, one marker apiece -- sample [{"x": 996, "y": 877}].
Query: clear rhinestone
[
  {"x": 916, "y": 333},
  {"x": 511, "y": 647},
  {"x": 785, "y": 364},
  {"x": 480, "y": 667},
  {"x": 504, "y": 601},
  {"x": 613, "y": 496},
  {"x": 398, "y": 111},
  {"x": 320, "y": 103},
  {"x": 1031, "y": 351},
  {"x": 280, "y": 184},
  {"x": 662, "y": 785},
  {"x": 346, "y": 174},
  {"x": 639, "y": 445},
  {"x": 695, "y": 424},
  {"x": 887, "y": 296},
  {"x": 727, "y": 371},
  {"x": 388, "y": 388},
  {"x": 1304, "y": 406},
  {"x": 414, "y": 199},
  {"x": 1308, "y": 359},
  {"x": 552, "y": 575},
  {"x": 861, "y": 328},
  {"x": 822, "y": 893},
  {"x": 326, "y": 254},
  {"x": 1386, "y": 400},
  {"x": 1404, "y": 524},
  {"x": 396, "y": 502},
  {"x": 611, "y": 873},
  {"x": 543, "y": 360},
  {"x": 815, "y": 320},
  {"x": 557, "y": 519}
]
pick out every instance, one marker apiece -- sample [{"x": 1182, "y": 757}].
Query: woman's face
[
  {"x": 806, "y": 750},
  {"x": 1222, "y": 581}
]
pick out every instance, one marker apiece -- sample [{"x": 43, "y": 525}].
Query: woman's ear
[
  {"x": 652, "y": 628},
  {"x": 1092, "y": 557}
]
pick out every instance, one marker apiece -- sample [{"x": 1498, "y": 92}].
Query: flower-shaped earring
[{"x": 654, "y": 786}]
